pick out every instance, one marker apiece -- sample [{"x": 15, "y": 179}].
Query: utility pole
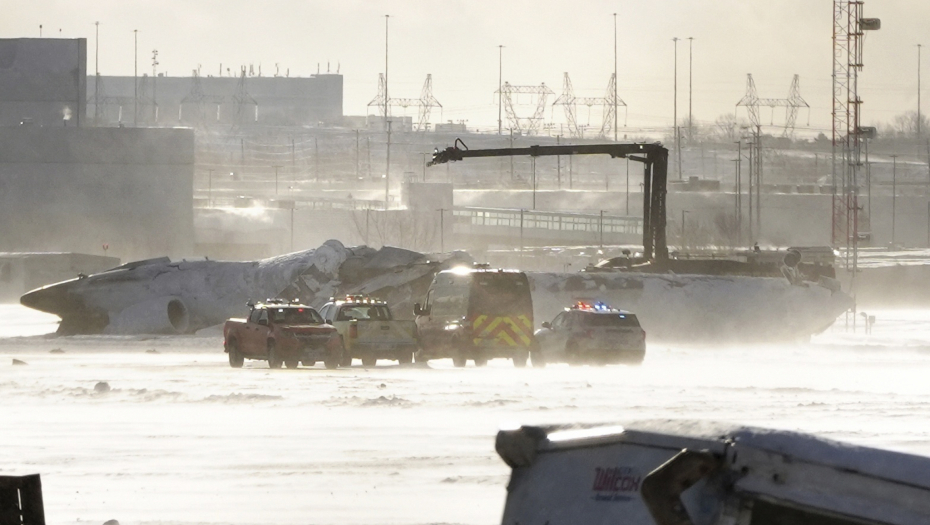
[
  {"x": 500, "y": 88},
  {"x": 424, "y": 165},
  {"x": 154, "y": 85},
  {"x": 356, "y": 157},
  {"x": 387, "y": 120},
  {"x": 690, "y": 63},
  {"x": 533, "y": 161},
  {"x": 628, "y": 187},
  {"x": 442, "y": 230},
  {"x": 511, "y": 157},
  {"x": 387, "y": 167},
  {"x": 386, "y": 98},
  {"x": 675, "y": 113},
  {"x": 96, "y": 73},
  {"x": 894, "y": 196},
  {"x": 615, "y": 77},
  {"x": 276, "y": 166},
  {"x": 135, "y": 79},
  {"x": 918, "y": 91}
]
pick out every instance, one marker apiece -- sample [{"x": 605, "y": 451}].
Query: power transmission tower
[
  {"x": 424, "y": 104},
  {"x": 527, "y": 125},
  {"x": 379, "y": 100},
  {"x": 144, "y": 100},
  {"x": 242, "y": 98},
  {"x": 427, "y": 102},
  {"x": 200, "y": 99},
  {"x": 569, "y": 102},
  {"x": 611, "y": 102},
  {"x": 752, "y": 103}
]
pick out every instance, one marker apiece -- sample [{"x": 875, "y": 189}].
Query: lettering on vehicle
[{"x": 615, "y": 483}]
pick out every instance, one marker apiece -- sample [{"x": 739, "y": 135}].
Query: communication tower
[{"x": 848, "y": 35}]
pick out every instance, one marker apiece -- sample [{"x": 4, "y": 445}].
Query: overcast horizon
[{"x": 457, "y": 42}]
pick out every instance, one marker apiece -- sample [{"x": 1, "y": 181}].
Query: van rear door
[{"x": 500, "y": 310}]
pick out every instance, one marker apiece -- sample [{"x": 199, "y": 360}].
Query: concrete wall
[
  {"x": 280, "y": 100},
  {"x": 42, "y": 80},
  {"x": 71, "y": 189}
]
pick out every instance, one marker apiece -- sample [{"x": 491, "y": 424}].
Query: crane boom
[{"x": 655, "y": 176}]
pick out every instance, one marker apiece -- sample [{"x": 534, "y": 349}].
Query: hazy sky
[{"x": 456, "y": 41}]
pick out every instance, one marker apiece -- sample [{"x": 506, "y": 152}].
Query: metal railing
[{"x": 553, "y": 221}]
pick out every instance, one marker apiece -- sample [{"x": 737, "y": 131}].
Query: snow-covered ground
[{"x": 183, "y": 438}]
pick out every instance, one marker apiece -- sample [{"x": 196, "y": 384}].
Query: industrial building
[
  {"x": 215, "y": 101},
  {"x": 66, "y": 186}
]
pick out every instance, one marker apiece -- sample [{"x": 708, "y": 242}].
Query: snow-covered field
[{"x": 183, "y": 438}]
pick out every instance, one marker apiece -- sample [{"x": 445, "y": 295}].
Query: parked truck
[
  {"x": 282, "y": 332},
  {"x": 368, "y": 330},
  {"x": 478, "y": 314}
]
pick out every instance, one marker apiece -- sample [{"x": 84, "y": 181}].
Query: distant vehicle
[
  {"x": 477, "y": 314},
  {"x": 676, "y": 472},
  {"x": 282, "y": 332},
  {"x": 590, "y": 333},
  {"x": 369, "y": 331}
]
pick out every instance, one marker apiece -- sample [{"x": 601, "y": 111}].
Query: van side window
[
  {"x": 559, "y": 321},
  {"x": 448, "y": 302}
]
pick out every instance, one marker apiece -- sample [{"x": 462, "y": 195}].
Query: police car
[{"x": 590, "y": 333}]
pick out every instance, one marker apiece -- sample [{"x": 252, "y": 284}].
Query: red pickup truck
[{"x": 282, "y": 332}]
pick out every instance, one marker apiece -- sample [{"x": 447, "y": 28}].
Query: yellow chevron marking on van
[{"x": 503, "y": 330}]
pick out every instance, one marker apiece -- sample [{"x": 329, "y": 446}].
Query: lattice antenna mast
[
  {"x": 848, "y": 28},
  {"x": 427, "y": 102},
  {"x": 379, "y": 101},
  {"x": 567, "y": 101},
  {"x": 527, "y": 125}
]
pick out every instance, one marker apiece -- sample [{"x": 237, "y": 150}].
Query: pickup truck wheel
[
  {"x": 519, "y": 358},
  {"x": 235, "y": 356},
  {"x": 537, "y": 359},
  {"x": 346, "y": 359},
  {"x": 369, "y": 361},
  {"x": 274, "y": 361},
  {"x": 331, "y": 363},
  {"x": 291, "y": 363},
  {"x": 405, "y": 357}
]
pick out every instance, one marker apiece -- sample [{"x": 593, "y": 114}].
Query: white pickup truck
[
  {"x": 369, "y": 331},
  {"x": 700, "y": 473}
]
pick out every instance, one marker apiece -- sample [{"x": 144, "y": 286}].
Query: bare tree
[
  {"x": 727, "y": 229},
  {"x": 413, "y": 230},
  {"x": 727, "y": 128},
  {"x": 905, "y": 124}
]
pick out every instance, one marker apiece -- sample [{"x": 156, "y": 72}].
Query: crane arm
[{"x": 655, "y": 163}]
